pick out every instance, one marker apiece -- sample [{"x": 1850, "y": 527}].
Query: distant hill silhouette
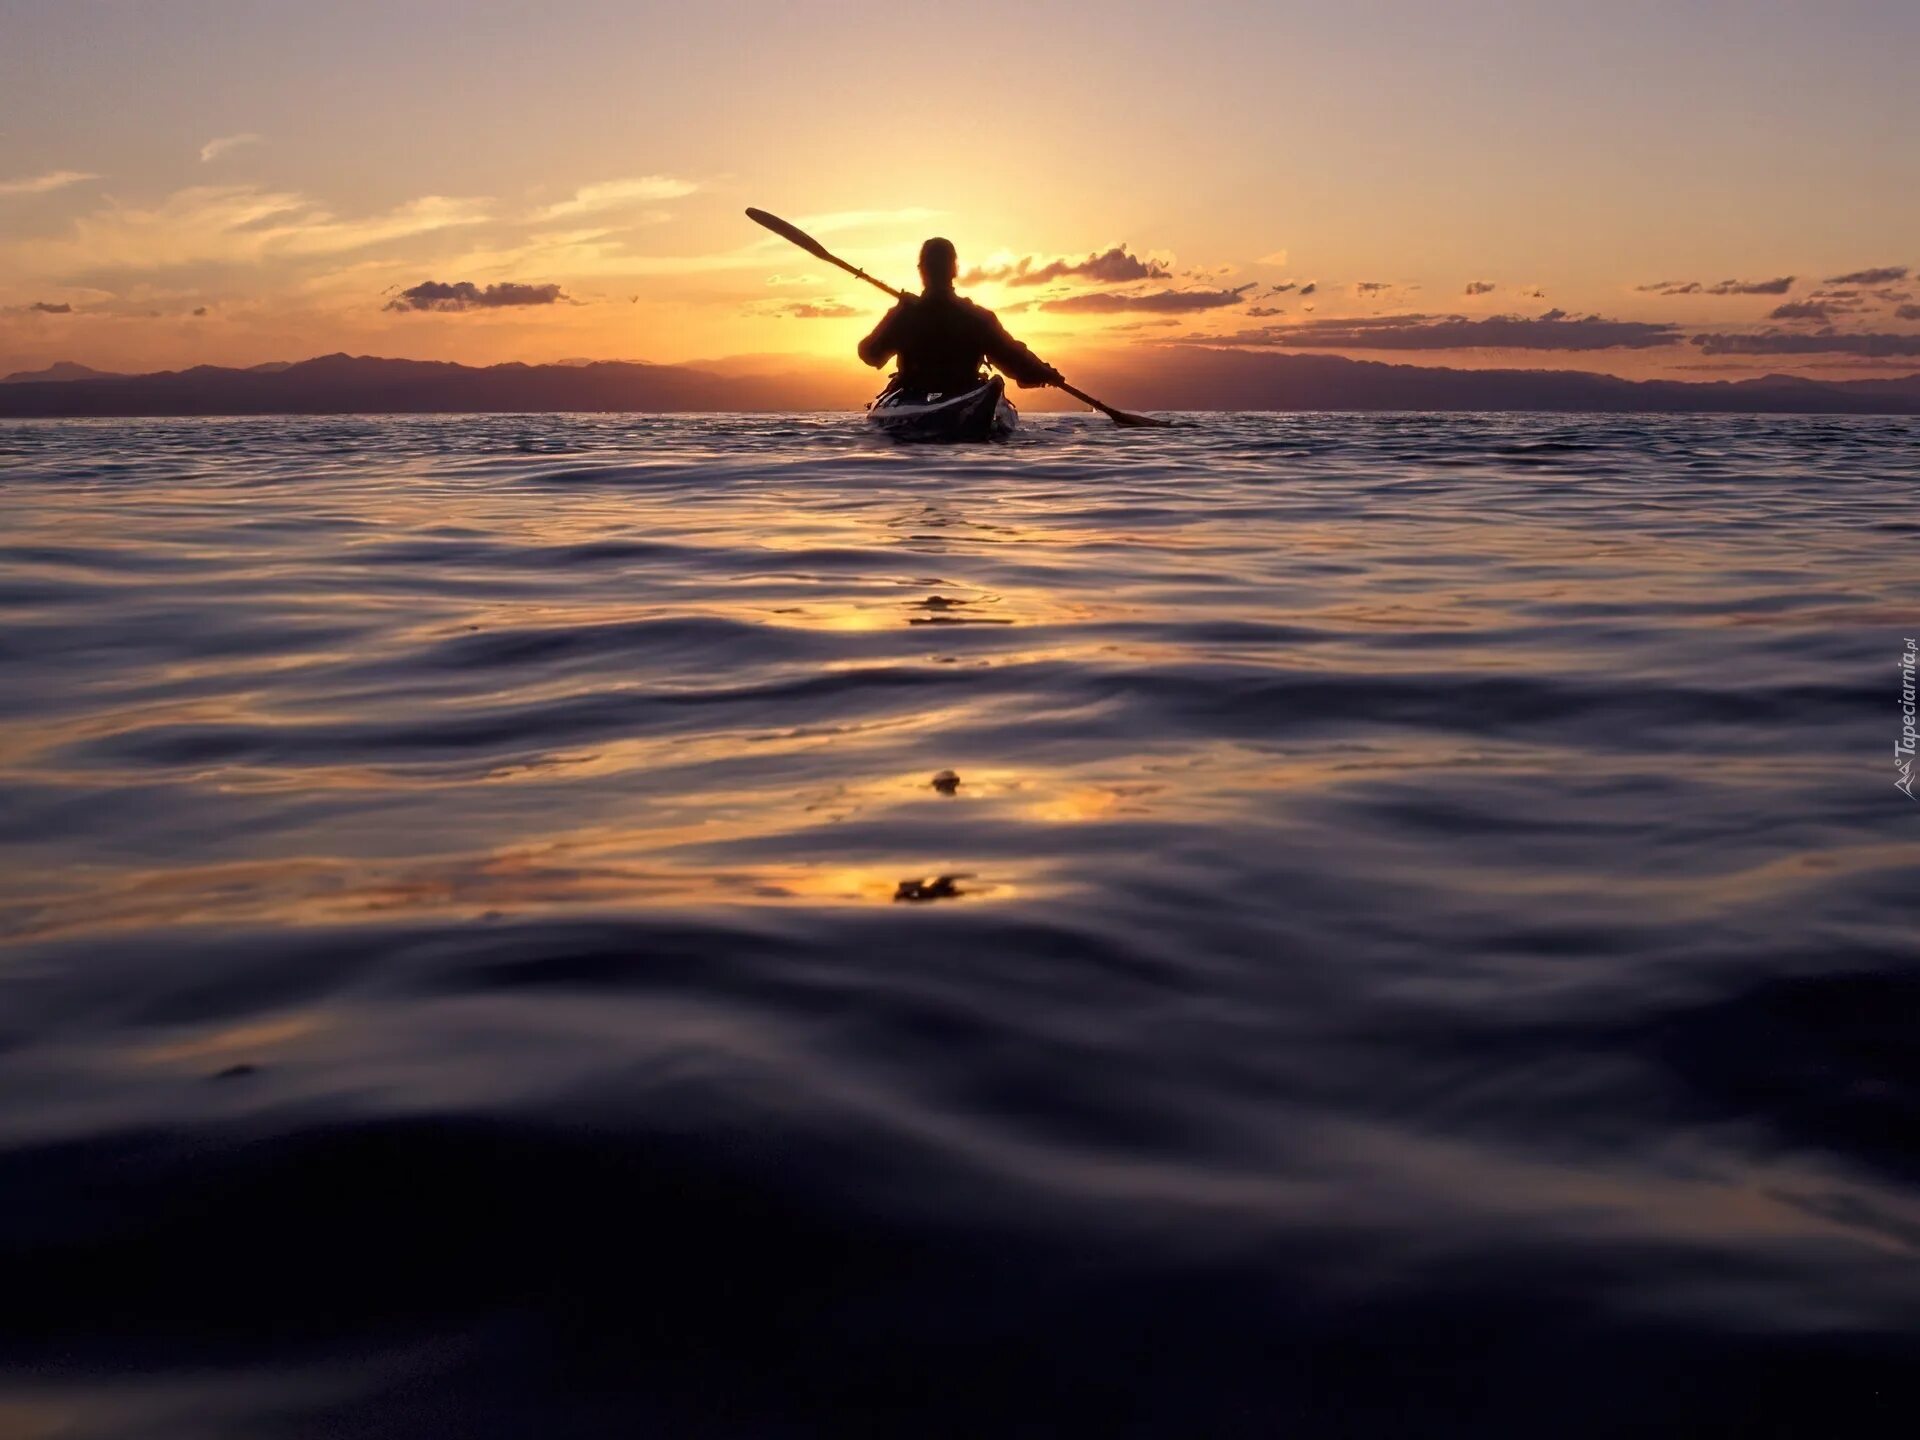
[
  {"x": 1168, "y": 377},
  {"x": 1204, "y": 378},
  {"x": 60, "y": 370},
  {"x": 350, "y": 384}
]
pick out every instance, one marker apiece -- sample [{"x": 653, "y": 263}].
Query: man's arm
[
  {"x": 1015, "y": 359},
  {"x": 883, "y": 344}
]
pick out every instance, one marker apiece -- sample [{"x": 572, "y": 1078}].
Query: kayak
[{"x": 982, "y": 413}]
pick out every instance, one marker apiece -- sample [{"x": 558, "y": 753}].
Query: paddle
[{"x": 820, "y": 252}]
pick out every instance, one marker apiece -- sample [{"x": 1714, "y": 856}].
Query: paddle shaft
[
  {"x": 812, "y": 246},
  {"x": 1108, "y": 411},
  {"x": 856, "y": 270}
]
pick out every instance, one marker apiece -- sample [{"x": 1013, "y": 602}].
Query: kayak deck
[{"x": 981, "y": 413}]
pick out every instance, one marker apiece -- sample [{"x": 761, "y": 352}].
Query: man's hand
[{"x": 1032, "y": 377}]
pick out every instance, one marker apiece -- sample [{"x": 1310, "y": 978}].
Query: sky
[{"x": 1695, "y": 191}]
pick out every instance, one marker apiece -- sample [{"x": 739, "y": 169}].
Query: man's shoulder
[{"x": 974, "y": 310}]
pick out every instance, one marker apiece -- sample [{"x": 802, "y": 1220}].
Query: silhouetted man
[{"x": 941, "y": 338}]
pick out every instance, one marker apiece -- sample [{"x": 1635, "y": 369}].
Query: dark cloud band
[
  {"x": 1807, "y": 310},
  {"x": 438, "y": 295},
  {"x": 1822, "y": 342},
  {"x": 1099, "y": 303},
  {"x": 1877, "y": 275},
  {"x": 1555, "y": 330},
  {"x": 1109, "y": 267},
  {"x": 817, "y": 310},
  {"x": 1779, "y": 285}
]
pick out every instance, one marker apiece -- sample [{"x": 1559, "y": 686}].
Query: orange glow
[
  {"x": 297, "y": 231},
  {"x": 246, "y": 1039}
]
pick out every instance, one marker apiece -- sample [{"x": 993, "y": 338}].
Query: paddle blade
[
  {"x": 790, "y": 232},
  {"x": 1127, "y": 419},
  {"x": 1124, "y": 418}
]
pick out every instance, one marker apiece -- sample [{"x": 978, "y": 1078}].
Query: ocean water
[{"x": 1303, "y": 925}]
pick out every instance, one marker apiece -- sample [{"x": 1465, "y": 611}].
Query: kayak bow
[{"x": 982, "y": 413}]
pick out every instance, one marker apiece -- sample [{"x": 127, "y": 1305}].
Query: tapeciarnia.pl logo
[{"x": 1903, "y": 747}]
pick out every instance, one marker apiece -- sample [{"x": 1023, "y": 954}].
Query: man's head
[{"x": 938, "y": 264}]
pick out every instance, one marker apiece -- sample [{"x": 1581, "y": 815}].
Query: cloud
[
  {"x": 1116, "y": 266},
  {"x": 1878, "y": 275},
  {"x": 199, "y": 310},
  {"x": 49, "y": 307},
  {"x": 1534, "y": 292},
  {"x": 41, "y": 184},
  {"x": 1371, "y": 287},
  {"x": 1260, "y": 312},
  {"x": 1894, "y": 366},
  {"x": 597, "y": 251},
  {"x": 1309, "y": 288},
  {"x": 1278, "y": 257},
  {"x": 1480, "y": 287},
  {"x": 816, "y": 310},
  {"x": 1109, "y": 267},
  {"x": 465, "y": 295},
  {"x": 1555, "y": 330},
  {"x": 1892, "y": 296},
  {"x": 221, "y": 144},
  {"x": 611, "y": 194},
  {"x": 1283, "y": 288},
  {"x": 1102, "y": 303},
  {"x": 1789, "y": 342},
  {"x": 1779, "y": 285},
  {"x": 1907, "y": 312},
  {"x": 1805, "y": 310},
  {"x": 1820, "y": 305},
  {"x": 225, "y": 224}
]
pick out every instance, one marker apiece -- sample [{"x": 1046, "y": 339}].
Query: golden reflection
[
  {"x": 26, "y": 745},
  {"x": 651, "y": 859},
  {"x": 249, "y": 1038},
  {"x": 640, "y": 832},
  {"x": 852, "y": 617},
  {"x": 1076, "y": 805},
  {"x": 497, "y": 886},
  {"x": 938, "y": 604},
  {"x": 669, "y": 851}
]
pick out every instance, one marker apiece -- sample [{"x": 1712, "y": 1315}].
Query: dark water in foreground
[{"x": 1422, "y": 942}]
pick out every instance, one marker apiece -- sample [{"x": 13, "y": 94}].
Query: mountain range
[{"x": 1174, "y": 378}]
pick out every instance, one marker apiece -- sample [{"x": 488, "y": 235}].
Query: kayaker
[{"x": 941, "y": 338}]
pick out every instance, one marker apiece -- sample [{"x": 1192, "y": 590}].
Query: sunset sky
[{"x": 1696, "y": 190}]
